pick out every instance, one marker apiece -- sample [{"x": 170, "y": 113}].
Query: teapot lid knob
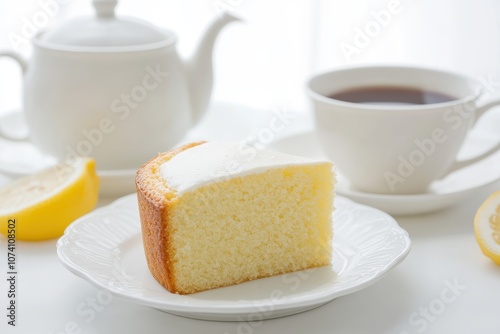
[{"x": 105, "y": 8}]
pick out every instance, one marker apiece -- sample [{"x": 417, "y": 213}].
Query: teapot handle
[{"x": 23, "y": 64}]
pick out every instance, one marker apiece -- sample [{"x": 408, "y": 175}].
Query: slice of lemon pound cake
[{"x": 216, "y": 214}]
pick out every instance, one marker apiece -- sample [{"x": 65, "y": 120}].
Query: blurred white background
[{"x": 264, "y": 62}]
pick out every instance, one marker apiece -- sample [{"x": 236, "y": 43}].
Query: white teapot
[{"x": 114, "y": 88}]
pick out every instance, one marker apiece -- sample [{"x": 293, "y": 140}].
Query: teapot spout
[{"x": 199, "y": 67}]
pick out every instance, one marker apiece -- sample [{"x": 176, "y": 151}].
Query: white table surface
[{"x": 413, "y": 298}]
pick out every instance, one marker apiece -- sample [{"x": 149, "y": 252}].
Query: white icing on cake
[{"x": 217, "y": 161}]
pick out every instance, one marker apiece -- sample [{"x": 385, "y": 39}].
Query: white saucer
[
  {"x": 105, "y": 248},
  {"x": 441, "y": 194},
  {"x": 23, "y": 158}
]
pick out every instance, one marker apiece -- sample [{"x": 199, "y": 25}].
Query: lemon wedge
[
  {"x": 41, "y": 206},
  {"x": 487, "y": 227}
]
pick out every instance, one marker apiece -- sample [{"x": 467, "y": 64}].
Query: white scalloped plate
[{"x": 105, "y": 248}]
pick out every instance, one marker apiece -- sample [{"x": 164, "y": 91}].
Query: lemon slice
[
  {"x": 487, "y": 227},
  {"x": 42, "y": 205}
]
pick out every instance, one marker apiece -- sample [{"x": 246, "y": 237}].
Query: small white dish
[
  {"x": 105, "y": 248},
  {"x": 22, "y": 158},
  {"x": 442, "y": 193},
  {"x": 19, "y": 158}
]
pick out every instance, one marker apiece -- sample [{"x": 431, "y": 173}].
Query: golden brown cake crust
[{"x": 154, "y": 197}]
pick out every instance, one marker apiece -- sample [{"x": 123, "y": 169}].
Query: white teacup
[{"x": 396, "y": 148}]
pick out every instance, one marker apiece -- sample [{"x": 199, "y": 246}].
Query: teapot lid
[{"x": 105, "y": 30}]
